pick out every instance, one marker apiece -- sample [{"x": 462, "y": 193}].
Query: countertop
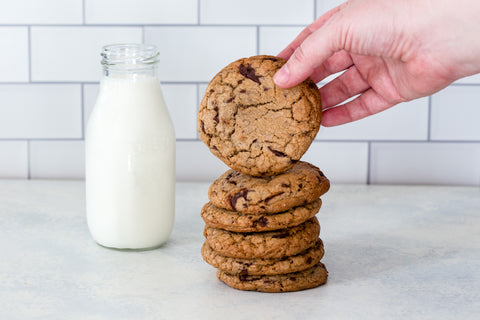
[{"x": 392, "y": 252}]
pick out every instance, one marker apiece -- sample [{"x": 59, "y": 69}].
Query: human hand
[{"x": 391, "y": 51}]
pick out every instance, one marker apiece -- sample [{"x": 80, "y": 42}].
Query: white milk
[{"x": 130, "y": 164}]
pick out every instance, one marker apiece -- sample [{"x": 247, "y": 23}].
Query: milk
[{"x": 130, "y": 164}]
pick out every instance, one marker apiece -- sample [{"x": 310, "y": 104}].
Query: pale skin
[{"x": 391, "y": 51}]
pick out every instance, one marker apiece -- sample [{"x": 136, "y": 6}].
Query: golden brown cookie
[
  {"x": 306, "y": 279},
  {"x": 300, "y": 185},
  {"x": 254, "y": 126},
  {"x": 304, "y": 260},
  {"x": 239, "y": 222},
  {"x": 267, "y": 245}
]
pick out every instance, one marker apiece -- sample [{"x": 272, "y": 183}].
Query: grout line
[
  {"x": 429, "y": 123},
  {"x": 196, "y": 110},
  {"x": 369, "y": 162},
  {"x": 258, "y": 40},
  {"x": 314, "y": 10},
  {"x": 82, "y": 113},
  {"x": 29, "y": 38},
  {"x": 29, "y": 172},
  {"x": 40, "y": 139},
  {"x": 220, "y": 25},
  {"x": 198, "y": 12},
  {"x": 394, "y": 141},
  {"x": 315, "y": 141},
  {"x": 83, "y": 13},
  {"x": 143, "y": 34}
]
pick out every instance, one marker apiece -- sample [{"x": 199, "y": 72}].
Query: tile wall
[{"x": 49, "y": 72}]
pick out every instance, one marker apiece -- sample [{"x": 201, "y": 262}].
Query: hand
[{"x": 391, "y": 51}]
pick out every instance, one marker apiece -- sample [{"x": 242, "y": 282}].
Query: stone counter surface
[{"x": 393, "y": 252}]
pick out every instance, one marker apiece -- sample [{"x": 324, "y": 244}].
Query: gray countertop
[{"x": 391, "y": 251}]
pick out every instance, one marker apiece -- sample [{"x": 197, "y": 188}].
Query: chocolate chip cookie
[
  {"x": 289, "y": 264},
  {"x": 300, "y": 185},
  {"x": 240, "y": 222},
  {"x": 306, "y": 279},
  {"x": 254, "y": 126},
  {"x": 267, "y": 245}
]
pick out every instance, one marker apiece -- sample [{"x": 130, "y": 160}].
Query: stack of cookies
[{"x": 261, "y": 230}]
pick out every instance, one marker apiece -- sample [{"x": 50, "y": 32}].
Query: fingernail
[{"x": 282, "y": 76}]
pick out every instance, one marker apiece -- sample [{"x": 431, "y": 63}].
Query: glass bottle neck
[{"x": 130, "y": 61}]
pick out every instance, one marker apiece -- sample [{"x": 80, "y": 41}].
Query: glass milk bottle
[{"x": 130, "y": 153}]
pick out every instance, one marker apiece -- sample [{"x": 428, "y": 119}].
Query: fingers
[
  {"x": 287, "y": 52},
  {"x": 347, "y": 85},
  {"x": 368, "y": 103},
  {"x": 311, "y": 53},
  {"x": 340, "y": 61}
]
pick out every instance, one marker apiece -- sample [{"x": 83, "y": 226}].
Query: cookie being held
[{"x": 252, "y": 125}]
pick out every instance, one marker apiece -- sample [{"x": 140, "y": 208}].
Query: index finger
[{"x": 317, "y": 24}]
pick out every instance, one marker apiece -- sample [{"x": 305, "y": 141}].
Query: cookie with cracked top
[
  {"x": 304, "y": 260},
  {"x": 240, "y": 222},
  {"x": 302, "y": 184},
  {"x": 268, "y": 245},
  {"x": 252, "y": 125},
  {"x": 306, "y": 279}
]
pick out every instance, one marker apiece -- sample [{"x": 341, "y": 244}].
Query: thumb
[{"x": 309, "y": 55}]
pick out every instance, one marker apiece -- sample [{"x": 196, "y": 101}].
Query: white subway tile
[
  {"x": 406, "y": 121},
  {"x": 73, "y": 53},
  {"x": 198, "y": 53},
  {"x": 14, "y": 54},
  {"x": 40, "y": 111},
  {"x": 325, "y": 5},
  {"x": 275, "y": 39},
  {"x": 474, "y": 79},
  {"x": 13, "y": 159},
  {"x": 57, "y": 159},
  {"x": 341, "y": 162},
  {"x": 141, "y": 12},
  {"x": 41, "y": 12},
  {"x": 256, "y": 12},
  {"x": 195, "y": 162},
  {"x": 425, "y": 163},
  {"x": 181, "y": 100},
  {"x": 456, "y": 113}
]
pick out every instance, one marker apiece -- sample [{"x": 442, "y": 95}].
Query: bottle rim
[{"x": 129, "y": 55}]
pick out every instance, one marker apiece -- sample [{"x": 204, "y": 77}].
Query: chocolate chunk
[
  {"x": 243, "y": 91},
  {"x": 268, "y": 199},
  {"x": 232, "y": 182},
  {"x": 240, "y": 81},
  {"x": 241, "y": 194},
  {"x": 285, "y": 185},
  {"x": 309, "y": 260},
  {"x": 229, "y": 100},
  {"x": 281, "y": 235},
  {"x": 277, "y": 153},
  {"x": 216, "y": 116},
  {"x": 248, "y": 72},
  {"x": 214, "y": 148},
  {"x": 293, "y": 278},
  {"x": 243, "y": 276},
  {"x": 202, "y": 127},
  {"x": 263, "y": 221},
  {"x": 271, "y": 59}
]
